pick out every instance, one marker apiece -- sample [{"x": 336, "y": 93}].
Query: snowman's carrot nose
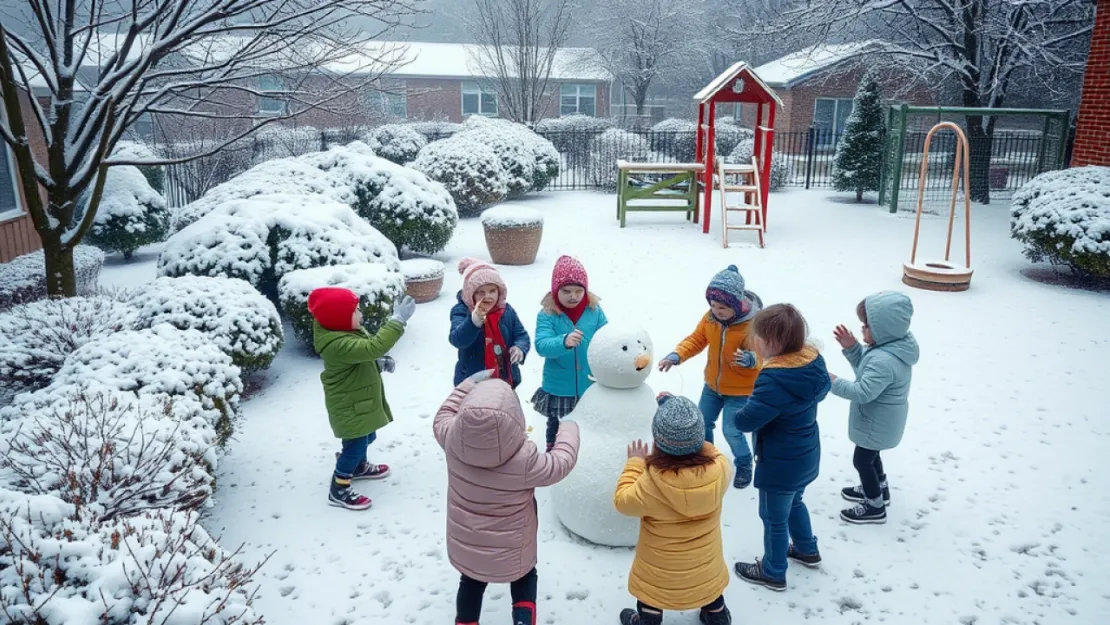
[{"x": 643, "y": 360}]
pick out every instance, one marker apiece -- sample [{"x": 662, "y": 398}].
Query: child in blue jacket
[
  {"x": 485, "y": 328},
  {"x": 571, "y": 315},
  {"x": 782, "y": 416}
]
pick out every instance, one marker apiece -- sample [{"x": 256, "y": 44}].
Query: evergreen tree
[{"x": 858, "y": 163}]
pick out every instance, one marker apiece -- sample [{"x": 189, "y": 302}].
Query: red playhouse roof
[{"x": 738, "y": 83}]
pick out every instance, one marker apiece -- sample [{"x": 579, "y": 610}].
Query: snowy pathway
[{"x": 1001, "y": 493}]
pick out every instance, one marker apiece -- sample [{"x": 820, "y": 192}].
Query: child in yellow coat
[{"x": 677, "y": 490}]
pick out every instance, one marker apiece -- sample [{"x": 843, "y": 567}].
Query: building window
[
  {"x": 390, "y": 99},
  {"x": 830, "y": 115},
  {"x": 9, "y": 195},
  {"x": 578, "y": 100},
  {"x": 273, "y": 104},
  {"x": 478, "y": 100}
]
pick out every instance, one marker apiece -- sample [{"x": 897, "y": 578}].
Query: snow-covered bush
[
  {"x": 274, "y": 141},
  {"x": 158, "y": 361},
  {"x": 154, "y": 174},
  {"x": 377, "y": 286},
  {"x": 471, "y": 171},
  {"x": 434, "y": 130},
  {"x": 230, "y": 312},
  {"x": 36, "y": 338},
  {"x": 399, "y": 143},
  {"x": 729, "y": 135},
  {"x": 573, "y": 135},
  {"x": 677, "y": 138},
  {"x": 613, "y": 145},
  {"x": 23, "y": 279},
  {"x": 284, "y": 176},
  {"x": 780, "y": 169},
  {"x": 514, "y": 143},
  {"x": 1063, "y": 217},
  {"x": 131, "y": 214},
  {"x": 262, "y": 238},
  {"x": 112, "y": 452},
  {"x": 406, "y": 206},
  {"x": 58, "y": 567}
]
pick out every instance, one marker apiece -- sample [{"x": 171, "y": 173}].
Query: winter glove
[
  {"x": 516, "y": 355},
  {"x": 670, "y": 360},
  {"x": 744, "y": 358},
  {"x": 404, "y": 310},
  {"x": 481, "y": 376},
  {"x": 387, "y": 364}
]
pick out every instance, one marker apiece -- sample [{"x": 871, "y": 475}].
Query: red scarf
[
  {"x": 494, "y": 343},
  {"x": 574, "y": 313}
]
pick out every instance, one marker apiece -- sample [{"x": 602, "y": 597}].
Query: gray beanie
[{"x": 678, "y": 427}]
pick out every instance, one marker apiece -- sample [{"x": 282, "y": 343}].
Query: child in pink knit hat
[
  {"x": 485, "y": 328},
  {"x": 570, "y": 316}
]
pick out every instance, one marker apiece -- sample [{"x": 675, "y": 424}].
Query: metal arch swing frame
[{"x": 946, "y": 276}]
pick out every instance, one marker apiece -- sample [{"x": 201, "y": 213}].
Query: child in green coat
[{"x": 353, "y": 392}]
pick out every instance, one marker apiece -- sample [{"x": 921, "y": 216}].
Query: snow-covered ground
[{"x": 1001, "y": 493}]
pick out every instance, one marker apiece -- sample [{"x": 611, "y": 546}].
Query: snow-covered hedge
[
  {"x": 573, "y": 135},
  {"x": 729, "y": 135},
  {"x": 1063, "y": 217},
  {"x": 60, "y": 567},
  {"x": 262, "y": 238},
  {"x": 435, "y": 130},
  {"x": 23, "y": 279},
  {"x": 36, "y": 338},
  {"x": 780, "y": 169},
  {"x": 158, "y": 361},
  {"x": 131, "y": 213},
  {"x": 274, "y": 141},
  {"x": 613, "y": 145},
  {"x": 154, "y": 174},
  {"x": 399, "y": 143},
  {"x": 406, "y": 206},
  {"x": 284, "y": 176},
  {"x": 677, "y": 138},
  {"x": 112, "y": 452},
  {"x": 531, "y": 160},
  {"x": 471, "y": 171},
  {"x": 230, "y": 312},
  {"x": 377, "y": 285}
]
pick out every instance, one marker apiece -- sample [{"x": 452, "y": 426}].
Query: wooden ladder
[{"x": 742, "y": 179}]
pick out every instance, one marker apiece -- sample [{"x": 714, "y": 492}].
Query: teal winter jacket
[
  {"x": 880, "y": 392},
  {"x": 566, "y": 373}
]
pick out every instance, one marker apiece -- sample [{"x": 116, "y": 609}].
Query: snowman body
[{"x": 616, "y": 410}]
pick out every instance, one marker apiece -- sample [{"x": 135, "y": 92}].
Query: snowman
[{"x": 613, "y": 412}]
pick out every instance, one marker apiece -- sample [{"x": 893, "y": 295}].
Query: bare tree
[
  {"x": 640, "y": 40},
  {"x": 518, "y": 41},
  {"x": 199, "y": 59},
  {"x": 989, "y": 48}
]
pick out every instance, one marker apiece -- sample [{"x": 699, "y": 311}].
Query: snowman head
[{"x": 620, "y": 357}]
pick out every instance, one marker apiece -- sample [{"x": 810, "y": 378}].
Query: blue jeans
[
  {"x": 353, "y": 454},
  {"x": 785, "y": 518},
  {"x": 711, "y": 404}
]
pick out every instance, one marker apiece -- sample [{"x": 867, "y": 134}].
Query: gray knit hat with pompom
[{"x": 678, "y": 426}]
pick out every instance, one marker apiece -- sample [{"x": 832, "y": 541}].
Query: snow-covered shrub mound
[
  {"x": 274, "y": 141},
  {"x": 513, "y": 143},
  {"x": 36, "y": 338},
  {"x": 1063, "y": 217},
  {"x": 59, "y": 567},
  {"x": 230, "y": 312},
  {"x": 285, "y": 176},
  {"x": 158, "y": 361},
  {"x": 677, "y": 138},
  {"x": 134, "y": 150},
  {"x": 729, "y": 135},
  {"x": 23, "y": 279},
  {"x": 112, "y": 452},
  {"x": 471, "y": 171},
  {"x": 406, "y": 206},
  {"x": 131, "y": 213},
  {"x": 377, "y": 286},
  {"x": 262, "y": 238},
  {"x": 573, "y": 136},
  {"x": 436, "y": 129},
  {"x": 780, "y": 169},
  {"x": 399, "y": 143},
  {"x": 613, "y": 145}
]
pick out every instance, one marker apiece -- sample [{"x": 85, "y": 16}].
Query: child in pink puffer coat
[{"x": 493, "y": 471}]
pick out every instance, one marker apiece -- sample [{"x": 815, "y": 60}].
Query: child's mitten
[
  {"x": 387, "y": 364},
  {"x": 744, "y": 358}
]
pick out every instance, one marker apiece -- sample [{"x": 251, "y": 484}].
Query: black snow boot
[
  {"x": 855, "y": 494},
  {"x": 524, "y": 613},
  {"x": 864, "y": 513},
  {"x": 634, "y": 617},
  {"x": 715, "y": 618}
]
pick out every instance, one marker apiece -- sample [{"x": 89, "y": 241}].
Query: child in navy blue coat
[
  {"x": 485, "y": 328},
  {"x": 782, "y": 416}
]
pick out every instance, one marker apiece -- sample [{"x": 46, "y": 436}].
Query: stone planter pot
[
  {"x": 423, "y": 278},
  {"x": 513, "y": 234}
]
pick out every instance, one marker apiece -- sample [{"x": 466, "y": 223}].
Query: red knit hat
[
  {"x": 568, "y": 270},
  {"x": 332, "y": 307}
]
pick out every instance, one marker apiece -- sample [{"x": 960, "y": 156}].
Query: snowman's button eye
[{"x": 625, "y": 348}]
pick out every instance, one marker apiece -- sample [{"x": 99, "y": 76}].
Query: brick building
[
  {"x": 17, "y": 232},
  {"x": 1092, "y": 132}
]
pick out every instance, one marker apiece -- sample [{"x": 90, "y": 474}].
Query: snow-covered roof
[
  {"x": 727, "y": 76},
  {"x": 464, "y": 60},
  {"x": 795, "y": 67}
]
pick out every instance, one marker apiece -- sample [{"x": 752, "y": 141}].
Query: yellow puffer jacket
[
  {"x": 680, "y": 563},
  {"x": 722, "y": 374}
]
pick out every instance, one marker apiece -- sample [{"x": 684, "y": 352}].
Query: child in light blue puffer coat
[{"x": 879, "y": 396}]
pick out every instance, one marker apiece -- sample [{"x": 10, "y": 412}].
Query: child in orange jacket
[{"x": 732, "y": 368}]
